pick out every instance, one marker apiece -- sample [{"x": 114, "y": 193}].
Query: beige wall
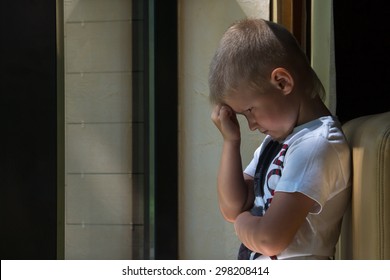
[
  {"x": 99, "y": 179},
  {"x": 322, "y": 55},
  {"x": 203, "y": 232}
]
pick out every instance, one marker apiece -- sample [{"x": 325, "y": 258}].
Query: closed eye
[{"x": 246, "y": 111}]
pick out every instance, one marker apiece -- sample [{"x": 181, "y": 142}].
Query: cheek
[
  {"x": 275, "y": 112},
  {"x": 274, "y": 118},
  {"x": 268, "y": 113}
]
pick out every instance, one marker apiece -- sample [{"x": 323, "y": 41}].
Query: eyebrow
[{"x": 239, "y": 113}]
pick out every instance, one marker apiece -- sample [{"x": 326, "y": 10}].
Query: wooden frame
[{"x": 295, "y": 15}]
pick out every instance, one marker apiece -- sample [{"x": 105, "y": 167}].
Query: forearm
[
  {"x": 249, "y": 231},
  {"x": 272, "y": 233},
  {"x": 232, "y": 188},
  {"x": 256, "y": 235}
]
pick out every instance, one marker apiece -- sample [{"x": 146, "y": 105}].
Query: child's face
[{"x": 272, "y": 112}]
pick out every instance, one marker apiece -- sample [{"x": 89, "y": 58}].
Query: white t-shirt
[{"x": 314, "y": 160}]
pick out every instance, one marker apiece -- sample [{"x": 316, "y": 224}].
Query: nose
[{"x": 252, "y": 124}]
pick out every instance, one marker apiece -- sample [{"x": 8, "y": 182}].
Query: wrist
[{"x": 232, "y": 142}]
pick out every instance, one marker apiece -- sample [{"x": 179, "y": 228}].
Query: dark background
[
  {"x": 362, "y": 51},
  {"x": 29, "y": 129}
]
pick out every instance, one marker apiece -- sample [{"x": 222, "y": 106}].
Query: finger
[
  {"x": 215, "y": 112},
  {"x": 225, "y": 111}
]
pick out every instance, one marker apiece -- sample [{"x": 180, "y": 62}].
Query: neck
[{"x": 311, "y": 109}]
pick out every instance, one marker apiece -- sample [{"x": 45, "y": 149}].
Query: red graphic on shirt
[{"x": 277, "y": 167}]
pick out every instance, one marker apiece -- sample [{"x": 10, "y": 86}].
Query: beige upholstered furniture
[{"x": 366, "y": 225}]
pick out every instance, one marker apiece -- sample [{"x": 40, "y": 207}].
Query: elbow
[
  {"x": 271, "y": 249},
  {"x": 231, "y": 212},
  {"x": 270, "y": 244},
  {"x": 229, "y": 217}
]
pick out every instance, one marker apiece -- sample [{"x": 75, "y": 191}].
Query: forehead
[{"x": 241, "y": 99}]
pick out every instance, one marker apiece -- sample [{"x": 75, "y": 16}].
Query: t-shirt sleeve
[{"x": 311, "y": 167}]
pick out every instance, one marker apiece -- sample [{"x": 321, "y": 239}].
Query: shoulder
[
  {"x": 321, "y": 142},
  {"x": 323, "y": 132}
]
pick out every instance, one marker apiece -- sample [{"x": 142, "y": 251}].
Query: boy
[{"x": 289, "y": 201}]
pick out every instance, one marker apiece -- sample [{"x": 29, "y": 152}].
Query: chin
[{"x": 279, "y": 138}]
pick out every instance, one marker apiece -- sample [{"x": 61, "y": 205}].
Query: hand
[{"x": 225, "y": 120}]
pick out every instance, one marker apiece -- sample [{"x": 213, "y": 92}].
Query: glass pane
[{"x": 104, "y": 129}]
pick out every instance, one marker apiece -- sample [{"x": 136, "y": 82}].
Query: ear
[{"x": 282, "y": 80}]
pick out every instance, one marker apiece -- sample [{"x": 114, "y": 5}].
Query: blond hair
[{"x": 248, "y": 52}]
